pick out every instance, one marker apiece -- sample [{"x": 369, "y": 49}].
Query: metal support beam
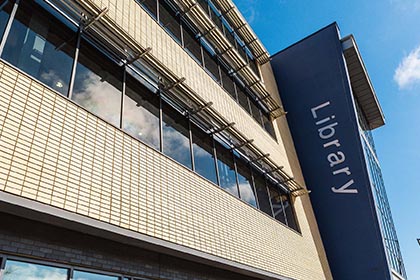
[
  {"x": 205, "y": 106},
  {"x": 140, "y": 55},
  {"x": 288, "y": 180},
  {"x": 239, "y": 27},
  {"x": 93, "y": 20},
  {"x": 246, "y": 143},
  {"x": 208, "y": 31},
  {"x": 227, "y": 11},
  {"x": 225, "y": 51},
  {"x": 252, "y": 41},
  {"x": 253, "y": 84},
  {"x": 259, "y": 158},
  {"x": 275, "y": 170},
  {"x": 240, "y": 68},
  {"x": 190, "y": 8},
  {"x": 177, "y": 83},
  {"x": 222, "y": 128}
]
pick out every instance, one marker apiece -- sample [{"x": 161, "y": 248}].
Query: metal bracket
[
  {"x": 205, "y": 106},
  {"x": 140, "y": 55},
  {"x": 259, "y": 158},
  {"x": 208, "y": 31},
  {"x": 246, "y": 143},
  {"x": 240, "y": 68},
  {"x": 222, "y": 128},
  {"x": 175, "y": 84},
  {"x": 227, "y": 11},
  {"x": 190, "y": 8},
  {"x": 239, "y": 27},
  {"x": 93, "y": 20},
  {"x": 275, "y": 170}
]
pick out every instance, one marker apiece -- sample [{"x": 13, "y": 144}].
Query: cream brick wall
[{"x": 55, "y": 152}]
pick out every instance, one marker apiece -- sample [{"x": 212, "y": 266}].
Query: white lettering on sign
[{"x": 336, "y": 158}]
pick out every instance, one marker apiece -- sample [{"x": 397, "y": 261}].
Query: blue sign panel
[{"x": 314, "y": 87}]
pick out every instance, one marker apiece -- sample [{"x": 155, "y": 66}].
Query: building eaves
[{"x": 361, "y": 85}]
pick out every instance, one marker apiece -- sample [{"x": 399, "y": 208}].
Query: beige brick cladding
[{"x": 55, "y": 152}]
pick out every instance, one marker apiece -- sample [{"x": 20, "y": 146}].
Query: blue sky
[{"x": 388, "y": 35}]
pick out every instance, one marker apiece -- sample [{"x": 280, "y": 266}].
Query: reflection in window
[
  {"x": 210, "y": 61},
  {"x": 246, "y": 189},
  {"x": 255, "y": 112},
  {"x": 41, "y": 45},
  {"x": 225, "y": 165},
  {"x": 16, "y": 270},
  {"x": 277, "y": 202},
  {"x": 141, "y": 113},
  {"x": 5, "y": 10},
  {"x": 262, "y": 194},
  {"x": 176, "y": 141},
  {"x": 203, "y": 154},
  {"x": 81, "y": 275},
  {"x": 97, "y": 84}
]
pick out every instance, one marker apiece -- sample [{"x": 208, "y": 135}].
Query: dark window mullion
[
  {"x": 124, "y": 81},
  {"x": 236, "y": 173},
  {"x": 191, "y": 144},
  {"x": 253, "y": 186},
  {"x": 75, "y": 60},
  {"x": 160, "y": 123},
  {"x": 8, "y": 26},
  {"x": 215, "y": 161}
]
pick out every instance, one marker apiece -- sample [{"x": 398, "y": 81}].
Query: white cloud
[{"x": 407, "y": 75}]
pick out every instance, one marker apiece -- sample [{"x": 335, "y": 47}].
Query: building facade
[
  {"x": 146, "y": 140},
  {"x": 332, "y": 110}
]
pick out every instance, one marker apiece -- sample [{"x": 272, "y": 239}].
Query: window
[
  {"x": 277, "y": 203},
  {"x": 97, "y": 84},
  {"x": 141, "y": 113},
  {"x": 17, "y": 270},
  {"x": 191, "y": 43},
  {"x": 41, "y": 46},
  {"x": 5, "y": 10},
  {"x": 262, "y": 194},
  {"x": 151, "y": 6},
  {"x": 169, "y": 20},
  {"x": 268, "y": 125},
  {"x": 227, "y": 82},
  {"x": 243, "y": 99},
  {"x": 81, "y": 275},
  {"x": 226, "y": 168},
  {"x": 203, "y": 154},
  {"x": 210, "y": 62},
  {"x": 256, "y": 114},
  {"x": 289, "y": 212},
  {"x": 176, "y": 141},
  {"x": 246, "y": 190}
]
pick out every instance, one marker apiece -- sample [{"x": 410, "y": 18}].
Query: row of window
[
  {"x": 202, "y": 51},
  {"x": 44, "y": 47},
  {"x": 224, "y": 26},
  {"x": 23, "y": 270}
]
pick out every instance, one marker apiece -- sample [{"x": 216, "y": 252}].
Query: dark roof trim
[{"x": 361, "y": 85}]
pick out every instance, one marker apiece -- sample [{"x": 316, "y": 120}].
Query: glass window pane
[
  {"x": 151, "y": 6},
  {"x": 5, "y": 10},
  {"x": 191, "y": 43},
  {"x": 245, "y": 183},
  {"x": 141, "y": 113},
  {"x": 290, "y": 215},
  {"x": 268, "y": 125},
  {"x": 228, "y": 83},
  {"x": 41, "y": 45},
  {"x": 243, "y": 99},
  {"x": 255, "y": 112},
  {"x": 82, "y": 275},
  {"x": 210, "y": 62},
  {"x": 276, "y": 202},
  {"x": 176, "y": 141},
  {"x": 169, "y": 20},
  {"x": 226, "y": 169},
  {"x": 203, "y": 154},
  {"x": 17, "y": 270},
  {"x": 97, "y": 84},
  {"x": 262, "y": 194}
]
